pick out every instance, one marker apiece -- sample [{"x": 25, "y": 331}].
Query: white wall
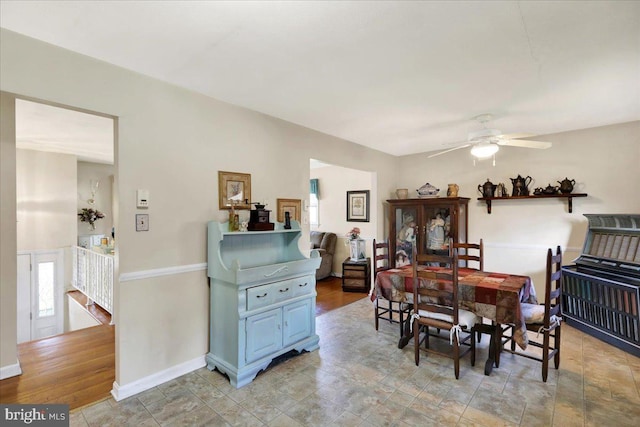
[
  {"x": 334, "y": 182},
  {"x": 46, "y": 200},
  {"x": 88, "y": 171},
  {"x": 77, "y": 316},
  {"x": 603, "y": 161},
  {"x": 171, "y": 142}
]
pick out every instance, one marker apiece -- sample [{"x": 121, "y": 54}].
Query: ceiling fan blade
[
  {"x": 525, "y": 143},
  {"x": 517, "y": 135},
  {"x": 449, "y": 150}
]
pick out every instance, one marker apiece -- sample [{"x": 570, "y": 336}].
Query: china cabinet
[
  {"x": 262, "y": 299},
  {"x": 429, "y": 222}
]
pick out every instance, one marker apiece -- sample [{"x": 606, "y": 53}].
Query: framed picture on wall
[
  {"x": 358, "y": 206},
  {"x": 289, "y": 205},
  {"x": 234, "y": 188}
]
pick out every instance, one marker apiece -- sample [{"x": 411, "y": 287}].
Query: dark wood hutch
[{"x": 427, "y": 221}]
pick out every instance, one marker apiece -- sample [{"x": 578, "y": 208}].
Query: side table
[{"x": 356, "y": 275}]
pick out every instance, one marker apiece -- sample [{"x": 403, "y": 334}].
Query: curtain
[{"x": 313, "y": 187}]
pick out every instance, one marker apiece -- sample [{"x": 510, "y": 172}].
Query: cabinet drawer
[
  {"x": 260, "y": 296},
  {"x": 303, "y": 285},
  {"x": 354, "y": 273},
  {"x": 353, "y": 282},
  {"x": 283, "y": 290}
]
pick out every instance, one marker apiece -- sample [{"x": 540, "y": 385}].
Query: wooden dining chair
[
  {"x": 544, "y": 319},
  {"x": 436, "y": 306},
  {"x": 471, "y": 252},
  {"x": 385, "y": 309}
]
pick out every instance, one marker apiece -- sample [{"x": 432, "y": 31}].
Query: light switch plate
[{"x": 142, "y": 222}]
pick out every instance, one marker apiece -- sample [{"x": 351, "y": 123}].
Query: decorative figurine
[{"x": 287, "y": 221}]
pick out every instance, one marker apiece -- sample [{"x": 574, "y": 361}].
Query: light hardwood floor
[{"x": 75, "y": 368}]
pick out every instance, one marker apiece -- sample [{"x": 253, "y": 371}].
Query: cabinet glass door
[
  {"x": 406, "y": 220},
  {"x": 437, "y": 230}
]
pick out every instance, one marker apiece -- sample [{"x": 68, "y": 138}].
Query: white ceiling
[
  {"x": 47, "y": 128},
  {"x": 400, "y": 77}
]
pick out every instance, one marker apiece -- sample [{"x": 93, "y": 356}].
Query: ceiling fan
[{"x": 486, "y": 142}]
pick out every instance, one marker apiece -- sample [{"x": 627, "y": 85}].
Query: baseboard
[
  {"x": 10, "y": 371},
  {"x": 122, "y": 392}
]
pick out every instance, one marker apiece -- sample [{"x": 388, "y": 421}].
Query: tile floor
[{"x": 359, "y": 377}]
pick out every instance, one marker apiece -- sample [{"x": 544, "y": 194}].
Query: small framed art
[
  {"x": 358, "y": 206},
  {"x": 234, "y": 188},
  {"x": 293, "y": 206}
]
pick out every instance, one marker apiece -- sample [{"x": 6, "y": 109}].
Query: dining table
[{"x": 493, "y": 296}]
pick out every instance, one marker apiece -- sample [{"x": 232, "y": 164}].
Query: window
[
  {"x": 314, "y": 210},
  {"x": 45, "y": 289}
]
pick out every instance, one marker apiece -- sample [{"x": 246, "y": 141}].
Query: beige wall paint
[
  {"x": 46, "y": 200},
  {"x": 172, "y": 142},
  {"x": 334, "y": 182},
  {"x": 603, "y": 161},
  {"x": 8, "y": 239}
]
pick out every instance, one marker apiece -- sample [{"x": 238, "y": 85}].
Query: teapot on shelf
[
  {"x": 566, "y": 185},
  {"x": 550, "y": 190},
  {"x": 487, "y": 189},
  {"x": 520, "y": 185}
]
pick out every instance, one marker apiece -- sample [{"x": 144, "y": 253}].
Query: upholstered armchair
[{"x": 325, "y": 243}]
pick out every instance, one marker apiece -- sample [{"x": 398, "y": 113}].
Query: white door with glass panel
[{"x": 40, "y": 303}]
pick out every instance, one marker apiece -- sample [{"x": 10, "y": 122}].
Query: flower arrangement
[
  {"x": 90, "y": 215},
  {"x": 354, "y": 234}
]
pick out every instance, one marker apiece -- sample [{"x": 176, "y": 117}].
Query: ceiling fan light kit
[{"x": 484, "y": 150}]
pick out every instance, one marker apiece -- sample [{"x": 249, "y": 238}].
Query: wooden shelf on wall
[{"x": 569, "y": 198}]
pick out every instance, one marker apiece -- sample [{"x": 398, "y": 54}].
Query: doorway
[
  {"x": 40, "y": 295},
  {"x": 59, "y": 152}
]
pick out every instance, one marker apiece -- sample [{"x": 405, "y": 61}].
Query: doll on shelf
[
  {"x": 407, "y": 232},
  {"x": 436, "y": 233}
]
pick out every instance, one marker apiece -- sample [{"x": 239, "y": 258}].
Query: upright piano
[{"x": 601, "y": 290}]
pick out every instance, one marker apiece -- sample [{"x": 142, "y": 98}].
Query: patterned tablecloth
[{"x": 495, "y": 296}]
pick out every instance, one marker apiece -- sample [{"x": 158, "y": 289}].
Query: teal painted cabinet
[{"x": 262, "y": 299}]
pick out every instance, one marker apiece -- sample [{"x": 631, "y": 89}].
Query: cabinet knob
[
  {"x": 301, "y": 285},
  {"x": 261, "y": 296},
  {"x": 284, "y": 290}
]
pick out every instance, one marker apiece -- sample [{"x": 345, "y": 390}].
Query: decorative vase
[
  {"x": 452, "y": 191},
  {"x": 402, "y": 193},
  {"x": 357, "y": 249}
]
